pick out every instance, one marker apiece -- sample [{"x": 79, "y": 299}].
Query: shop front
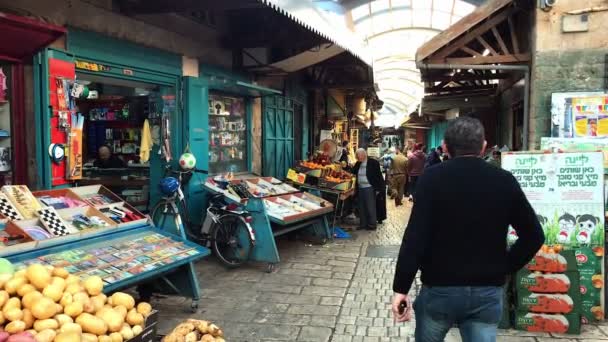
[
  {"x": 105, "y": 97},
  {"x": 21, "y": 38}
]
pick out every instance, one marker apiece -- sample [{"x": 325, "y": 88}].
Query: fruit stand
[
  {"x": 95, "y": 233},
  {"x": 277, "y": 209}
]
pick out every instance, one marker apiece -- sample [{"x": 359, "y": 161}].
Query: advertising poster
[
  {"x": 576, "y": 145},
  {"x": 567, "y": 192},
  {"x": 590, "y": 116},
  {"x": 562, "y": 118}
]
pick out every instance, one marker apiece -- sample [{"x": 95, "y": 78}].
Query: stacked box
[
  {"x": 589, "y": 261},
  {"x": 548, "y": 297}
]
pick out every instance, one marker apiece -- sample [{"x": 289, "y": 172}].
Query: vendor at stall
[{"x": 107, "y": 160}]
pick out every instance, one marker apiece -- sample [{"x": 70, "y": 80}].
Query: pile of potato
[
  {"x": 46, "y": 304},
  {"x": 195, "y": 331}
]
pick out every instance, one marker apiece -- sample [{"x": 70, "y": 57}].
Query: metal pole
[{"x": 526, "y": 132}]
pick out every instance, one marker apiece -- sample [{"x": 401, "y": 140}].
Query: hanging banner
[
  {"x": 576, "y": 145},
  {"x": 566, "y": 191}
]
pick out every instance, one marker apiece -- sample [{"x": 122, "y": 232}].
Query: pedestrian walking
[
  {"x": 434, "y": 157},
  {"x": 371, "y": 190},
  {"x": 399, "y": 175},
  {"x": 462, "y": 253},
  {"x": 415, "y": 167}
]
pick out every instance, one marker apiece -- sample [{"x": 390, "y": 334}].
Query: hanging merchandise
[
  {"x": 5, "y": 159},
  {"x": 2, "y": 86},
  {"x": 57, "y": 153},
  {"x": 74, "y": 167},
  {"x": 146, "y": 143}
]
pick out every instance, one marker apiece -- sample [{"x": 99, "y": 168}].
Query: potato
[
  {"x": 44, "y": 324},
  {"x": 191, "y": 337},
  {"x": 113, "y": 319},
  {"x": 11, "y": 303},
  {"x": 72, "y": 279},
  {"x": 74, "y": 288},
  {"x": 104, "y": 338},
  {"x": 29, "y": 299},
  {"x": 71, "y": 327},
  {"x": 54, "y": 292},
  {"x": 44, "y": 308},
  {"x": 68, "y": 337},
  {"x": 135, "y": 318},
  {"x": 97, "y": 303},
  {"x": 60, "y": 272},
  {"x": 59, "y": 282},
  {"x": 4, "y": 296},
  {"x": 82, "y": 297},
  {"x": 14, "y": 284},
  {"x": 207, "y": 338},
  {"x": 25, "y": 289},
  {"x": 15, "y": 327},
  {"x": 213, "y": 329},
  {"x": 93, "y": 285},
  {"x": 121, "y": 298},
  {"x": 66, "y": 299},
  {"x": 13, "y": 314},
  {"x": 74, "y": 309},
  {"x": 28, "y": 318},
  {"x": 126, "y": 333},
  {"x": 2, "y": 319},
  {"x": 46, "y": 335},
  {"x": 4, "y": 278},
  {"x": 144, "y": 308},
  {"x": 63, "y": 319},
  {"x": 89, "y": 337},
  {"x": 21, "y": 273},
  {"x": 59, "y": 308},
  {"x": 92, "y": 324},
  {"x": 219, "y": 339},
  {"x": 137, "y": 329},
  {"x": 38, "y": 275},
  {"x": 116, "y": 337},
  {"x": 122, "y": 311}
]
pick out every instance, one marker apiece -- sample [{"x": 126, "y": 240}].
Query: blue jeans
[{"x": 475, "y": 310}]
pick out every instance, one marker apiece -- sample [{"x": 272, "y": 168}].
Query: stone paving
[{"x": 338, "y": 292}]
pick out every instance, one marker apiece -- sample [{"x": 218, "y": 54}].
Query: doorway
[{"x": 298, "y": 121}]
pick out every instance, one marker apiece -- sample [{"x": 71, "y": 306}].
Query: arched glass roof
[{"x": 393, "y": 30}]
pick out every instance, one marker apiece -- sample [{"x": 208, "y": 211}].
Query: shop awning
[
  {"x": 305, "y": 13},
  {"x": 21, "y": 37}
]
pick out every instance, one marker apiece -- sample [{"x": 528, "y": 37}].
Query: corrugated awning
[
  {"x": 21, "y": 37},
  {"x": 305, "y": 13}
]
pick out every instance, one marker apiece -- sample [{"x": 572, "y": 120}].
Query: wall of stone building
[
  {"x": 168, "y": 32},
  {"x": 565, "y": 62}
]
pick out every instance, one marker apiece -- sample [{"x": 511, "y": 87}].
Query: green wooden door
[{"x": 277, "y": 132}]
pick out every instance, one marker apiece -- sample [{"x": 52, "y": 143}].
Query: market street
[{"x": 339, "y": 292}]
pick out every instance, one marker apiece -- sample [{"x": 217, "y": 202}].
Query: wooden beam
[
  {"x": 487, "y": 46},
  {"x": 434, "y": 90},
  {"x": 162, "y": 6},
  {"x": 513, "y": 35},
  {"x": 473, "y": 34},
  {"x": 501, "y": 42},
  {"x": 470, "y": 51},
  {"x": 522, "y": 57},
  {"x": 465, "y": 77}
]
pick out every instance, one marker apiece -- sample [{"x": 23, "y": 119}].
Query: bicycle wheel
[
  {"x": 231, "y": 241},
  {"x": 163, "y": 215}
]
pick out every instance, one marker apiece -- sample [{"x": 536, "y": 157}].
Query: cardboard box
[
  {"x": 547, "y": 282},
  {"x": 589, "y": 258},
  {"x": 591, "y": 285},
  {"x": 553, "y": 262},
  {"x": 559, "y": 324},
  {"x": 549, "y": 303}
]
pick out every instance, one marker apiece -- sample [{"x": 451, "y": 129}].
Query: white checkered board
[
  {"x": 7, "y": 209},
  {"x": 53, "y": 223}
]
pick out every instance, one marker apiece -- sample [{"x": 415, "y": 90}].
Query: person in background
[
  {"x": 387, "y": 160},
  {"x": 369, "y": 187},
  {"x": 415, "y": 167},
  {"x": 107, "y": 160},
  {"x": 495, "y": 158},
  {"x": 434, "y": 157},
  {"x": 398, "y": 176},
  {"x": 462, "y": 253}
]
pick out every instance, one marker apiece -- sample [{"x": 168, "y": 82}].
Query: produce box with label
[
  {"x": 561, "y": 262},
  {"x": 538, "y": 282},
  {"x": 559, "y": 324},
  {"x": 551, "y": 303}
]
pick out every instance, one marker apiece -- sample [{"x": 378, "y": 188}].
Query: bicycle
[{"x": 226, "y": 229}]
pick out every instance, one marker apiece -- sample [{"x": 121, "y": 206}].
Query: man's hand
[{"x": 406, "y": 315}]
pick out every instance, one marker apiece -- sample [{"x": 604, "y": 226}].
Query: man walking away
[
  {"x": 415, "y": 167},
  {"x": 462, "y": 253},
  {"x": 399, "y": 174},
  {"x": 434, "y": 157},
  {"x": 370, "y": 185}
]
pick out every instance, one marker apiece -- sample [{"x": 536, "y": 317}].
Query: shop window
[{"x": 227, "y": 134}]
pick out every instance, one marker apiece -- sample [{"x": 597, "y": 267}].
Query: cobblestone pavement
[{"x": 338, "y": 292}]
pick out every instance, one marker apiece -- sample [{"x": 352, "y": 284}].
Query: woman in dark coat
[{"x": 370, "y": 190}]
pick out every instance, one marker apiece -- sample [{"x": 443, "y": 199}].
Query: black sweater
[{"x": 457, "y": 233}]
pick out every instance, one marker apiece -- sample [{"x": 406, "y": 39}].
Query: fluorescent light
[{"x": 486, "y": 52}]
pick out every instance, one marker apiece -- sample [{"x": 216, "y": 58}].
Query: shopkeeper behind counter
[{"x": 107, "y": 160}]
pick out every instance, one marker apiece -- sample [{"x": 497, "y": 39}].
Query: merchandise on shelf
[
  {"x": 536, "y": 322},
  {"x": 23, "y": 200}
]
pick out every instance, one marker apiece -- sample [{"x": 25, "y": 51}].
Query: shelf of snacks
[
  {"x": 95, "y": 233},
  {"x": 49, "y": 303}
]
